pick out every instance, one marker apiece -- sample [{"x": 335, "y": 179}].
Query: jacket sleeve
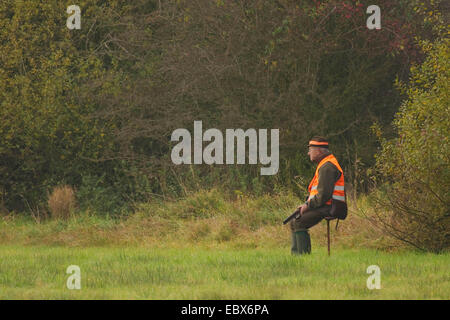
[{"x": 328, "y": 175}]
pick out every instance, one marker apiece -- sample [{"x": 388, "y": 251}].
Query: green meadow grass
[
  {"x": 39, "y": 272},
  {"x": 207, "y": 246}
]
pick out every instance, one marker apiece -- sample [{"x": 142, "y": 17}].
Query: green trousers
[{"x": 301, "y": 242}]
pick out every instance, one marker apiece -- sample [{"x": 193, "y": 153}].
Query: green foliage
[
  {"x": 51, "y": 82},
  {"x": 97, "y": 195},
  {"x": 115, "y": 194},
  {"x": 416, "y": 163},
  {"x": 94, "y": 108}
]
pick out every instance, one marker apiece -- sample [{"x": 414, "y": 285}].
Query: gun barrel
[{"x": 291, "y": 217}]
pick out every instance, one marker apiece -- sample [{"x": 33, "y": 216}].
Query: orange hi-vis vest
[{"x": 339, "y": 191}]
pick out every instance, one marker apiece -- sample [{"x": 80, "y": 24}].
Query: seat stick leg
[{"x": 328, "y": 236}]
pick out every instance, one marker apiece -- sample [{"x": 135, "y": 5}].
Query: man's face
[{"x": 314, "y": 153}]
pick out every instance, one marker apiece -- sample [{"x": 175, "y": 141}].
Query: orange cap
[{"x": 322, "y": 144}]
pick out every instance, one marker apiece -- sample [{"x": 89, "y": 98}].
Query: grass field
[
  {"x": 39, "y": 272},
  {"x": 207, "y": 246}
]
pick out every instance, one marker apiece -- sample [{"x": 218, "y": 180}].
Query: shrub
[
  {"x": 102, "y": 195},
  {"x": 413, "y": 204},
  {"x": 61, "y": 202}
]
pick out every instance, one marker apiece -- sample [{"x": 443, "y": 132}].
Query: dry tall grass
[
  {"x": 205, "y": 218},
  {"x": 61, "y": 202}
]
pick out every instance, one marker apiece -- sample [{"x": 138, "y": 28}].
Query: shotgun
[{"x": 292, "y": 216}]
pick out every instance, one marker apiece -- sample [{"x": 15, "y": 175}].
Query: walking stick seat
[{"x": 328, "y": 219}]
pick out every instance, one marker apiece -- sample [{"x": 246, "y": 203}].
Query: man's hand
[{"x": 302, "y": 209}]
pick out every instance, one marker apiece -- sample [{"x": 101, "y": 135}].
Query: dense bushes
[
  {"x": 414, "y": 203},
  {"x": 94, "y": 108},
  {"x": 305, "y": 68},
  {"x": 50, "y": 82}
]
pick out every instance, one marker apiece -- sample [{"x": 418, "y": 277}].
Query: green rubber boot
[{"x": 301, "y": 242}]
